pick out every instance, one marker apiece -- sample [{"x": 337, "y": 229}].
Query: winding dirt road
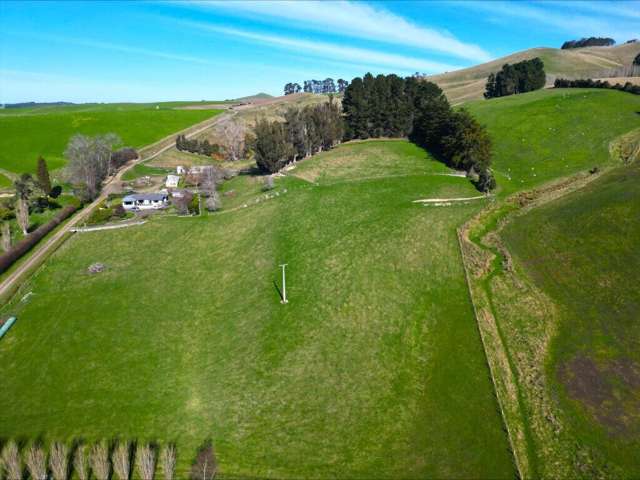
[{"x": 42, "y": 250}]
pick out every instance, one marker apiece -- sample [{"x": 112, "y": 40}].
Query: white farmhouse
[
  {"x": 172, "y": 181},
  {"x": 145, "y": 201},
  {"x": 180, "y": 170}
]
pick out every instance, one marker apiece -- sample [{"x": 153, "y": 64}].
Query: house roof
[{"x": 145, "y": 196}]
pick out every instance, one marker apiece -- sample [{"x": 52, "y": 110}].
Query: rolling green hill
[
  {"x": 549, "y": 134},
  {"x": 591, "y": 62},
  {"x": 30, "y": 132},
  {"x": 582, "y": 252},
  {"x": 552, "y": 266},
  {"x": 373, "y": 369}
]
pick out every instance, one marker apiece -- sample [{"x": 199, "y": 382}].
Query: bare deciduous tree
[
  {"x": 12, "y": 461},
  {"x": 22, "y": 214},
  {"x": 213, "y": 202},
  {"x": 6, "y": 236},
  {"x": 80, "y": 464},
  {"x": 90, "y": 160},
  {"x": 59, "y": 461},
  {"x": 168, "y": 461},
  {"x": 234, "y": 139},
  {"x": 36, "y": 461},
  {"x": 205, "y": 466},
  {"x": 121, "y": 460},
  {"x": 146, "y": 462},
  {"x": 99, "y": 459}
]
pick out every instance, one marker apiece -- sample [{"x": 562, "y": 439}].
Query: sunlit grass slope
[
  {"x": 46, "y": 131},
  {"x": 374, "y": 369},
  {"x": 582, "y": 251},
  {"x": 548, "y": 134}
]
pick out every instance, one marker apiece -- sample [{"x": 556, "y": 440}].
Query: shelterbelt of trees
[
  {"x": 304, "y": 132},
  {"x": 590, "y": 83},
  {"x": 391, "y": 106},
  {"x": 520, "y": 77}
]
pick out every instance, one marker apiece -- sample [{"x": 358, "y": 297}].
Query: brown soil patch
[{"x": 610, "y": 392}]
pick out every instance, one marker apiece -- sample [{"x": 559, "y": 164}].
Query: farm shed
[{"x": 172, "y": 181}]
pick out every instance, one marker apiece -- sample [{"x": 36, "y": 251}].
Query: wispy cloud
[
  {"x": 326, "y": 50},
  {"x": 115, "y": 47},
  {"x": 352, "y": 19},
  {"x": 570, "y": 17}
]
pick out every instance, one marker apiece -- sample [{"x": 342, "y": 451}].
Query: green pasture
[
  {"x": 142, "y": 170},
  {"x": 46, "y": 130},
  {"x": 549, "y": 134},
  {"x": 582, "y": 251},
  {"x": 374, "y": 369}
]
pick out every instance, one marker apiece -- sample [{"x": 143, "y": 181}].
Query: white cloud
[
  {"x": 355, "y": 19},
  {"x": 567, "y": 18},
  {"x": 328, "y": 50}
]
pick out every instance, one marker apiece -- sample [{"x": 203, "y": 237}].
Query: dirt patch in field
[{"x": 609, "y": 391}]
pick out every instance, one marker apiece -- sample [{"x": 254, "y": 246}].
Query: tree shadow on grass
[{"x": 275, "y": 284}]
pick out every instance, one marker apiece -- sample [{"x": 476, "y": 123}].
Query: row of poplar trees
[{"x": 391, "y": 106}]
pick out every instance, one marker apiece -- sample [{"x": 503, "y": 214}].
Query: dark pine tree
[{"x": 44, "y": 180}]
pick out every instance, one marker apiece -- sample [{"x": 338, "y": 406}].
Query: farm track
[{"x": 12, "y": 282}]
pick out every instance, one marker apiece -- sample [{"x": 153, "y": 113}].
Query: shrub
[
  {"x": 122, "y": 156},
  {"x": 23, "y": 246},
  {"x": 55, "y": 191},
  {"x": 100, "y": 215},
  {"x": 194, "y": 205}
]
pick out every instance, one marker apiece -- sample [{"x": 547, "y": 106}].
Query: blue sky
[{"x": 192, "y": 50}]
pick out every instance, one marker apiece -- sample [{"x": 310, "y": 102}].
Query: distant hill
[
  {"x": 257, "y": 96},
  {"x": 589, "y": 62},
  {"x": 36, "y": 104}
]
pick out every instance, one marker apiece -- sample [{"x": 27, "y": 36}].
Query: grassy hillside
[
  {"x": 551, "y": 294},
  {"x": 591, "y": 62},
  {"x": 548, "y": 134},
  {"x": 45, "y": 131},
  {"x": 373, "y": 370},
  {"x": 582, "y": 252}
]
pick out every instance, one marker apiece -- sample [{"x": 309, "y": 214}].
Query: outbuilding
[{"x": 172, "y": 181}]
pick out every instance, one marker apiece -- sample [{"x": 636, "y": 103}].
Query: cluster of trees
[
  {"x": 304, "y": 132},
  {"x": 589, "y": 83},
  {"x": 196, "y": 146},
  {"x": 636, "y": 61},
  {"x": 520, "y": 77},
  {"x": 92, "y": 159},
  {"x": 290, "y": 88},
  {"x": 33, "y": 194},
  {"x": 102, "y": 461},
  {"x": 328, "y": 85},
  {"x": 391, "y": 106},
  {"x": 588, "y": 42}
]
